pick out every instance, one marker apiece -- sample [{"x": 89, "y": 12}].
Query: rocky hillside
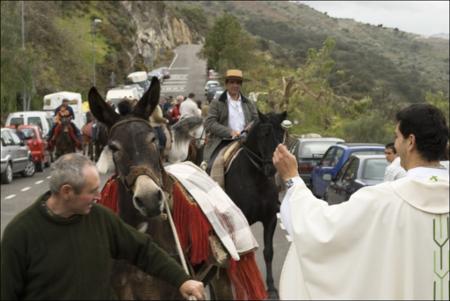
[{"x": 58, "y": 52}]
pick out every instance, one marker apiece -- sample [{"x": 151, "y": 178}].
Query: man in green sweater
[{"x": 63, "y": 245}]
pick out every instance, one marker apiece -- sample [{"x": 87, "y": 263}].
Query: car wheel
[
  {"x": 39, "y": 166},
  {"x": 29, "y": 169},
  {"x": 7, "y": 175}
]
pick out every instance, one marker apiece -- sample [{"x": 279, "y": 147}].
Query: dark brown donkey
[{"x": 142, "y": 188}]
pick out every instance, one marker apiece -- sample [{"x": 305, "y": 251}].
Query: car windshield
[
  {"x": 314, "y": 149},
  {"x": 373, "y": 169},
  {"x": 16, "y": 120}
]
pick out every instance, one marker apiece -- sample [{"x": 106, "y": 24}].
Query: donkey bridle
[{"x": 136, "y": 171}]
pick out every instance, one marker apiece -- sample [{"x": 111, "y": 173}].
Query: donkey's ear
[
  {"x": 149, "y": 100},
  {"x": 102, "y": 111},
  {"x": 262, "y": 117}
]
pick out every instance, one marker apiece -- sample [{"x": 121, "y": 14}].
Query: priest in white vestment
[{"x": 389, "y": 241}]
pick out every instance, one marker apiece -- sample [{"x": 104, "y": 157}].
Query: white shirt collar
[
  {"x": 231, "y": 99},
  {"x": 427, "y": 172}
]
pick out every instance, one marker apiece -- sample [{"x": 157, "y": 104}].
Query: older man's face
[{"x": 233, "y": 86}]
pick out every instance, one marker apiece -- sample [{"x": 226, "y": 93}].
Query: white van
[
  {"x": 54, "y": 100},
  {"x": 140, "y": 78},
  {"x": 116, "y": 95},
  {"x": 40, "y": 118}
]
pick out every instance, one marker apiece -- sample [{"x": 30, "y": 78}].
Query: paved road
[{"x": 188, "y": 75}]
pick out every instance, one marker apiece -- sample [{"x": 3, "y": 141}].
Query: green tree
[
  {"x": 440, "y": 101},
  {"x": 227, "y": 45}
]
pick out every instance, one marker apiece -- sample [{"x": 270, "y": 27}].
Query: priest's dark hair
[{"x": 427, "y": 123}]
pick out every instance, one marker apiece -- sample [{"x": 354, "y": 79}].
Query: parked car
[
  {"x": 309, "y": 151},
  {"x": 359, "y": 171},
  {"x": 140, "y": 78},
  {"x": 43, "y": 119},
  {"x": 211, "y": 83},
  {"x": 156, "y": 73},
  {"x": 16, "y": 156},
  {"x": 212, "y": 91},
  {"x": 165, "y": 72},
  {"x": 217, "y": 94},
  {"x": 334, "y": 159},
  {"x": 37, "y": 145}
]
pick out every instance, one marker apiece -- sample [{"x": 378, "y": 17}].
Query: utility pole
[
  {"x": 24, "y": 97},
  {"x": 94, "y": 23}
]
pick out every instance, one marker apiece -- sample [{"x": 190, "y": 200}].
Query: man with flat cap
[{"x": 228, "y": 115}]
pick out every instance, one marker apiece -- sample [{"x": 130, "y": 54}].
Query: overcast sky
[{"x": 421, "y": 17}]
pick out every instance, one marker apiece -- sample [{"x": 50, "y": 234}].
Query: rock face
[{"x": 157, "y": 30}]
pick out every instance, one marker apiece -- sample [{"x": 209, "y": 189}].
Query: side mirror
[{"x": 326, "y": 177}]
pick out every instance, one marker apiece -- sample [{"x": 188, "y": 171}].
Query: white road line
[
  {"x": 179, "y": 82},
  {"x": 10, "y": 196},
  {"x": 25, "y": 189},
  {"x": 173, "y": 61},
  {"x": 39, "y": 182},
  {"x": 49, "y": 177},
  {"x": 289, "y": 239}
]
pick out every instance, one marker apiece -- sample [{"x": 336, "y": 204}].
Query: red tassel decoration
[
  {"x": 247, "y": 279},
  {"x": 193, "y": 228},
  {"x": 109, "y": 194}
]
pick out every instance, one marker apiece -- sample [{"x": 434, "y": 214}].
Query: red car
[{"x": 37, "y": 145}]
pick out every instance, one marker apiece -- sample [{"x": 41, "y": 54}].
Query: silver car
[{"x": 16, "y": 156}]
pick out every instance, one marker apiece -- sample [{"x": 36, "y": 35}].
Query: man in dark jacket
[
  {"x": 229, "y": 115},
  {"x": 62, "y": 246}
]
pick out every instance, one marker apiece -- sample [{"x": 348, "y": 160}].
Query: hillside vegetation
[{"x": 334, "y": 76}]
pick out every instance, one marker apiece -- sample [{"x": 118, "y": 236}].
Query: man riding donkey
[{"x": 62, "y": 112}]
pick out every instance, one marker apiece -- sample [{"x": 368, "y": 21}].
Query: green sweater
[{"x": 49, "y": 257}]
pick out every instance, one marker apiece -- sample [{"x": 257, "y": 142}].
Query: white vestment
[{"x": 389, "y": 241}]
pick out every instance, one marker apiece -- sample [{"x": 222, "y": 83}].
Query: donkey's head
[{"x": 134, "y": 151}]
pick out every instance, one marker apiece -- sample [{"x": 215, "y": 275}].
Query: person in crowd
[
  {"x": 381, "y": 243},
  {"x": 189, "y": 107},
  {"x": 62, "y": 246},
  {"x": 394, "y": 170},
  {"x": 64, "y": 111},
  {"x": 175, "y": 112},
  {"x": 157, "y": 121},
  {"x": 228, "y": 115}
]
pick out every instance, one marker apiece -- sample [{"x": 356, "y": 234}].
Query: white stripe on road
[
  {"x": 175, "y": 82},
  {"x": 39, "y": 182},
  {"x": 173, "y": 61},
  {"x": 25, "y": 189},
  {"x": 289, "y": 239},
  {"x": 49, "y": 177},
  {"x": 10, "y": 196}
]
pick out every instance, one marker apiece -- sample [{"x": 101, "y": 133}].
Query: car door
[
  {"x": 325, "y": 166},
  {"x": 19, "y": 153},
  {"x": 347, "y": 184},
  {"x": 334, "y": 189}
]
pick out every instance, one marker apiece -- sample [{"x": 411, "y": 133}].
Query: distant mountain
[
  {"x": 385, "y": 63},
  {"x": 440, "y": 36}
]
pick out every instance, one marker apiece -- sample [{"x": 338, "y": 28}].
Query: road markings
[
  {"x": 173, "y": 61},
  {"x": 39, "y": 182},
  {"x": 10, "y": 196},
  {"x": 49, "y": 177},
  {"x": 25, "y": 189}
]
